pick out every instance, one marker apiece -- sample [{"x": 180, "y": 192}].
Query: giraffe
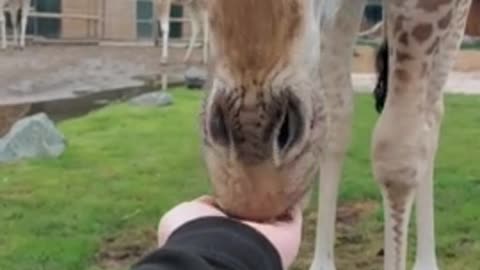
[
  {"x": 198, "y": 15},
  {"x": 279, "y": 111},
  {"x": 13, "y": 6}
]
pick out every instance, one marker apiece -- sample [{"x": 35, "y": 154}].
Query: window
[
  {"x": 146, "y": 20},
  {"x": 373, "y": 13},
  {"x": 46, "y": 27}
]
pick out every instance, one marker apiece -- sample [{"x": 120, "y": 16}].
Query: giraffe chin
[
  {"x": 267, "y": 213},
  {"x": 263, "y": 203},
  {"x": 260, "y": 192}
]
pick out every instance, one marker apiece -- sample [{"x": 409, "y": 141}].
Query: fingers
[{"x": 184, "y": 213}]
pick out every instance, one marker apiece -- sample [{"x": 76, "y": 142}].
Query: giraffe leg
[
  {"x": 338, "y": 37},
  {"x": 426, "y": 258},
  {"x": 3, "y": 29},
  {"x": 13, "y": 18},
  {"x": 196, "y": 23},
  {"x": 165, "y": 27},
  {"x": 403, "y": 148},
  {"x": 24, "y": 21}
]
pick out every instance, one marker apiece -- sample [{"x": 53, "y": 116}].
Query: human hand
[
  {"x": 184, "y": 213},
  {"x": 285, "y": 236}
]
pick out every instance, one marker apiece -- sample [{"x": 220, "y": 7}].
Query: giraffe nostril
[
  {"x": 290, "y": 128},
  {"x": 218, "y": 127}
]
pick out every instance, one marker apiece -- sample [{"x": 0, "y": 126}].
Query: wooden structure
[{"x": 100, "y": 21}]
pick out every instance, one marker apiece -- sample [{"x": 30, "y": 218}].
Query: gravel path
[
  {"x": 42, "y": 73},
  {"x": 52, "y": 72},
  {"x": 458, "y": 82}
]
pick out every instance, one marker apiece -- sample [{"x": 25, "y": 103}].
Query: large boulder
[
  {"x": 195, "y": 77},
  {"x": 32, "y": 137},
  {"x": 154, "y": 99}
]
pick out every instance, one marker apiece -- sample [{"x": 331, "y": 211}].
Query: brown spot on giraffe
[
  {"x": 403, "y": 38},
  {"x": 434, "y": 47},
  {"x": 431, "y": 5},
  {"x": 445, "y": 21},
  {"x": 397, "y": 2},
  {"x": 402, "y": 56},
  {"x": 402, "y": 75},
  {"x": 422, "y": 32},
  {"x": 424, "y": 71},
  {"x": 398, "y": 24},
  {"x": 254, "y": 36}
]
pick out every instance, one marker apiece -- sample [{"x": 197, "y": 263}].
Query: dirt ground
[
  {"x": 48, "y": 72},
  {"x": 355, "y": 248},
  {"x": 464, "y": 79},
  {"x": 467, "y": 60},
  {"x": 42, "y": 73}
]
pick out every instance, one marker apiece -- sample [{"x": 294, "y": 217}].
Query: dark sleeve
[{"x": 213, "y": 243}]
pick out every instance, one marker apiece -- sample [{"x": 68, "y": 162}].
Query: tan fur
[
  {"x": 445, "y": 21},
  {"x": 422, "y": 32},
  {"x": 434, "y": 46},
  {"x": 432, "y": 5},
  {"x": 255, "y": 36}
]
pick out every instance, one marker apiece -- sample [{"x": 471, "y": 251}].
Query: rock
[
  {"x": 154, "y": 99},
  {"x": 195, "y": 78},
  {"x": 32, "y": 137}
]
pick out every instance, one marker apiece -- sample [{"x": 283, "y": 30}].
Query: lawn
[{"x": 98, "y": 205}]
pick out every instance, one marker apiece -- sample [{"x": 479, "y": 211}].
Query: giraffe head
[{"x": 262, "y": 118}]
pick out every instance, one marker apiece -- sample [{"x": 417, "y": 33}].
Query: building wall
[
  {"x": 125, "y": 20},
  {"x": 76, "y": 28},
  {"x": 120, "y": 20}
]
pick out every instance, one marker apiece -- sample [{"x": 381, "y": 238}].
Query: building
[
  {"x": 133, "y": 20},
  {"x": 101, "y": 20}
]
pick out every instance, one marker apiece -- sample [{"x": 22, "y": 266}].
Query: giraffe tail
[{"x": 381, "y": 89}]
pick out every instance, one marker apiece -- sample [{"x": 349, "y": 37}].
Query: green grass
[
  {"x": 126, "y": 166},
  {"x": 471, "y": 46}
]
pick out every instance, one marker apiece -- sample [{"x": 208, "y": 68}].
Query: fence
[{"x": 100, "y": 21}]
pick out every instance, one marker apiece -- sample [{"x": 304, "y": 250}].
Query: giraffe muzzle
[{"x": 257, "y": 130}]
